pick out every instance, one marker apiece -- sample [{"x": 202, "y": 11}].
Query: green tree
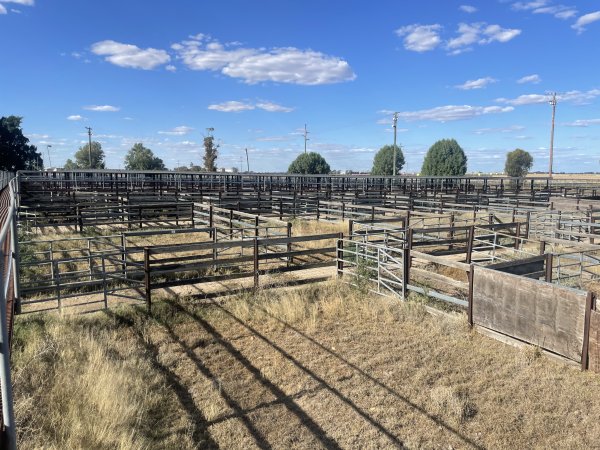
[
  {"x": 15, "y": 151},
  {"x": 210, "y": 154},
  {"x": 142, "y": 158},
  {"x": 83, "y": 157},
  {"x": 518, "y": 163},
  {"x": 309, "y": 163},
  {"x": 445, "y": 158},
  {"x": 383, "y": 163}
]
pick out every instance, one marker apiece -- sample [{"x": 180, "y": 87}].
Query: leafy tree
[
  {"x": 383, "y": 163},
  {"x": 210, "y": 154},
  {"x": 142, "y": 158},
  {"x": 15, "y": 151},
  {"x": 191, "y": 168},
  {"x": 309, "y": 163},
  {"x": 518, "y": 163},
  {"x": 445, "y": 158},
  {"x": 83, "y": 157}
]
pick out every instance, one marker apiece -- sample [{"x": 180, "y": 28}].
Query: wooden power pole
[{"x": 553, "y": 104}]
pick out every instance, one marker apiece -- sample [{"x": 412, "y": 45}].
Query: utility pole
[
  {"x": 247, "y": 160},
  {"x": 89, "y": 130},
  {"x": 553, "y": 104},
  {"x": 305, "y": 137},
  {"x": 395, "y": 126},
  {"x": 49, "y": 160}
]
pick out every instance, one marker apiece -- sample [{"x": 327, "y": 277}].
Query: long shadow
[
  {"x": 232, "y": 403},
  {"x": 366, "y": 375},
  {"x": 200, "y": 432},
  {"x": 394, "y": 439},
  {"x": 284, "y": 399}
]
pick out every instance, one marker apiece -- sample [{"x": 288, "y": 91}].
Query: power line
[
  {"x": 305, "y": 137},
  {"x": 553, "y": 103},
  {"x": 89, "y": 130}
]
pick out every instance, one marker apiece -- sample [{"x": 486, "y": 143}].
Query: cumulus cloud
[
  {"x": 273, "y": 107},
  {"x": 237, "y": 106},
  {"x": 171, "y": 68},
  {"x": 231, "y": 106},
  {"x": 467, "y": 8},
  {"x": 479, "y": 33},
  {"x": 510, "y": 129},
  {"x": 178, "y": 131},
  {"x": 575, "y": 97},
  {"x": 75, "y": 117},
  {"x": 102, "y": 108},
  {"x": 3, "y": 9},
  {"x": 479, "y": 83},
  {"x": 131, "y": 56},
  {"x": 452, "y": 112},
  {"x": 255, "y": 65},
  {"x": 585, "y": 20},
  {"x": 534, "y": 78},
  {"x": 420, "y": 38}
]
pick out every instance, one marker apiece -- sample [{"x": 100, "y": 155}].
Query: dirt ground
[{"x": 326, "y": 367}]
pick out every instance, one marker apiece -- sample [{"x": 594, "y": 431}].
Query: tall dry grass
[{"x": 85, "y": 382}]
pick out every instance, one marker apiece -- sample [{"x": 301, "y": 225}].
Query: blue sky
[{"x": 256, "y": 71}]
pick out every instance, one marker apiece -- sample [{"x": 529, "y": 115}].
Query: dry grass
[{"x": 312, "y": 367}]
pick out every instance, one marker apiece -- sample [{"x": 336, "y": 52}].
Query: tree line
[{"x": 444, "y": 158}]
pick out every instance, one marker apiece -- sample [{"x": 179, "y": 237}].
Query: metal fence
[{"x": 8, "y": 294}]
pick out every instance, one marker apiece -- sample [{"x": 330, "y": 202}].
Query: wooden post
[
  {"x": 147, "y": 282},
  {"x": 318, "y": 212},
  {"x": 210, "y": 218},
  {"x": 517, "y": 235},
  {"x": 471, "y": 277},
  {"x": 589, "y": 302},
  {"x": 549, "y": 260},
  {"x": 542, "y": 247},
  {"x": 79, "y": 218},
  {"x": 256, "y": 263},
  {"x": 289, "y": 244},
  {"x": 451, "y": 232},
  {"x": 528, "y": 224},
  {"x": 471, "y": 236},
  {"x": 231, "y": 224},
  {"x": 340, "y": 255},
  {"x": 405, "y": 271},
  {"x": 350, "y": 228}
]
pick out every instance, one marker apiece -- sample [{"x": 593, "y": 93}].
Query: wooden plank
[
  {"x": 594, "y": 342},
  {"x": 533, "y": 311}
]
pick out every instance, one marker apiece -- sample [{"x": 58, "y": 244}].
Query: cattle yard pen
[{"x": 521, "y": 257}]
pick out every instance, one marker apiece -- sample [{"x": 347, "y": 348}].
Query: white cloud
[
  {"x": 534, "y": 78},
  {"x": 75, "y": 117},
  {"x": 236, "y": 106},
  {"x": 231, "y": 106},
  {"x": 171, "y": 68},
  {"x": 583, "y": 123},
  {"x": 127, "y": 55},
  {"x": 102, "y": 108},
  {"x": 467, "y": 8},
  {"x": 584, "y": 20},
  {"x": 452, "y": 112},
  {"x": 273, "y": 107},
  {"x": 282, "y": 65},
  {"x": 20, "y": 2},
  {"x": 3, "y": 9},
  {"x": 476, "y": 84},
  {"x": 545, "y": 7},
  {"x": 178, "y": 131},
  {"x": 576, "y": 97},
  {"x": 420, "y": 38},
  {"x": 479, "y": 33}
]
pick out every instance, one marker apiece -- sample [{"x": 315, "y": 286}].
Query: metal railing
[{"x": 9, "y": 294}]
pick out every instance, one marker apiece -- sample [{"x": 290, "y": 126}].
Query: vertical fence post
[
  {"x": 405, "y": 271},
  {"x": 471, "y": 277},
  {"x": 549, "y": 262},
  {"x": 124, "y": 255},
  {"x": 340, "y": 255},
  {"x": 290, "y": 260},
  {"x": 210, "y": 218},
  {"x": 147, "y": 282},
  {"x": 8, "y": 416},
  {"x": 255, "y": 263},
  {"x": 589, "y": 303},
  {"x": 470, "y": 237},
  {"x": 15, "y": 261},
  {"x": 517, "y": 235},
  {"x": 57, "y": 284},
  {"x": 104, "y": 283}
]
